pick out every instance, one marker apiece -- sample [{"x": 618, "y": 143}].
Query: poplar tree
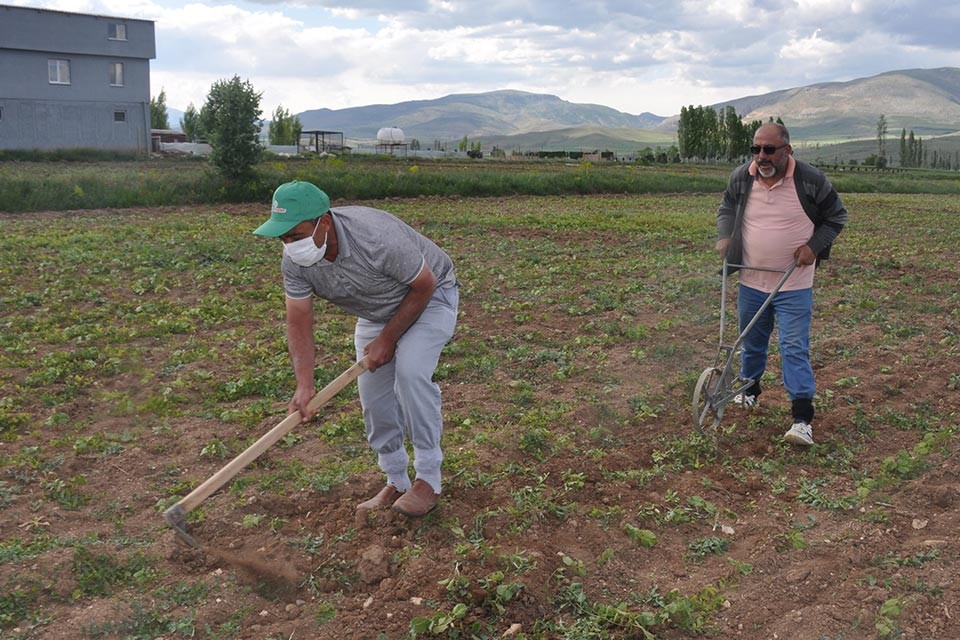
[{"x": 158, "y": 112}]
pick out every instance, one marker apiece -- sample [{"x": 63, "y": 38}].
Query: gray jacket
[{"x": 820, "y": 201}]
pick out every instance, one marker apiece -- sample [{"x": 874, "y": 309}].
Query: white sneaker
[
  {"x": 746, "y": 400},
  {"x": 800, "y": 433}
]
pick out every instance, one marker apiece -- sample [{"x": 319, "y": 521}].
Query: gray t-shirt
[{"x": 378, "y": 256}]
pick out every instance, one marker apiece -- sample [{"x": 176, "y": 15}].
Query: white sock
[
  {"x": 426, "y": 462},
  {"x": 395, "y": 464}
]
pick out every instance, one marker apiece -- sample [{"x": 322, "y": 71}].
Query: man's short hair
[{"x": 784, "y": 134}]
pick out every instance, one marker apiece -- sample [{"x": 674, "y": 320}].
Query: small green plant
[
  {"x": 533, "y": 503},
  {"x": 65, "y": 493},
  {"x": 793, "y": 539},
  {"x": 810, "y": 493},
  {"x": 574, "y": 566},
  {"x": 711, "y": 545},
  {"x": 16, "y": 601},
  {"x": 252, "y": 520},
  {"x": 326, "y": 611},
  {"x": 741, "y": 568},
  {"x": 439, "y": 622},
  {"x": 517, "y": 562},
  {"x": 606, "y": 556},
  {"x": 7, "y": 494},
  {"x": 313, "y": 543},
  {"x": 918, "y": 559},
  {"x": 890, "y": 610},
  {"x": 215, "y": 449},
  {"x": 572, "y": 481},
  {"x": 643, "y": 537},
  {"x": 101, "y": 575},
  {"x": 145, "y": 623}
]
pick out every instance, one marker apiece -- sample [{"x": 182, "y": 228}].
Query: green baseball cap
[{"x": 293, "y": 202}]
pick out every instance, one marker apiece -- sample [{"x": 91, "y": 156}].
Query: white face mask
[{"x": 305, "y": 252}]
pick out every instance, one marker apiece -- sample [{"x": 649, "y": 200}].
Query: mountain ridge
[
  {"x": 503, "y": 112},
  {"x": 926, "y": 101}
]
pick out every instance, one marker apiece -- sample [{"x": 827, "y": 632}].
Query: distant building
[{"x": 70, "y": 80}]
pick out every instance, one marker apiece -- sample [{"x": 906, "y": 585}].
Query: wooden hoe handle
[{"x": 221, "y": 477}]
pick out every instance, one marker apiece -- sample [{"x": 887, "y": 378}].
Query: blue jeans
[{"x": 793, "y": 311}]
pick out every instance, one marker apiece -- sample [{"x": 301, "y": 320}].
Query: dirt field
[{"x": 580, "y": 502}]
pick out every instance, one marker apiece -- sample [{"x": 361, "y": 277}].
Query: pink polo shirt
[{"x": 774, "y": 227}]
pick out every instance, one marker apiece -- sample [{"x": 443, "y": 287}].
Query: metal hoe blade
[{"x": 176, "y": 517}]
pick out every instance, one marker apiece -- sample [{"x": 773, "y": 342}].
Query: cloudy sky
[{"x": 632, "y": 55}]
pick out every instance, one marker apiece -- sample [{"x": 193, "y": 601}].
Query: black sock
[{"x": 802, "y": 409}]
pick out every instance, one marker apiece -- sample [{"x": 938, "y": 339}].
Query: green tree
[
  {"x": 881, "y": 141},
  {"x": 190, "y": 124},
  {"x": 904, "y": 153},
  {"x": 414, "y": 145},
  {"x": 285, "y": 127},
  {"x": 463, "y": 144},
  {"x": 684, "y": 138},
  {"x": 158, "y": 112},
  {"x": 231, "y": 120}
]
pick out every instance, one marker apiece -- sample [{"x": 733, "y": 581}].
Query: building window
[
  {"x": 119, "y": 116},
  {"x": 117, "y": 31},
  {"x": 58, "y": 71},
  {"x": 116, "y": 74}
]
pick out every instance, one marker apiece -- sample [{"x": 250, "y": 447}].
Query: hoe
[{"x": 176, "y": 516}]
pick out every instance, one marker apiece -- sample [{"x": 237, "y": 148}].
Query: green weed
[{"x": 101, "y": 575}]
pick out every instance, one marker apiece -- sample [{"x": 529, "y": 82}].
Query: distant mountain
[
  {"x": 926, "y": 101},
  {"x": 475, "y": 115},
  {"x": 581, "y": 139}
]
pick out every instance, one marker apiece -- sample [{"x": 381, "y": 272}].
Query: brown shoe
[
  {"x": 386, "y": 497},
  {"x": 418, "y": 501}
]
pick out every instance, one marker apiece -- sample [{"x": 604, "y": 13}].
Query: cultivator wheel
[{"x": 705, "y": 410}]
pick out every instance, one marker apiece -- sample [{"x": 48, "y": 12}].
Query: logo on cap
[{"x": 277, "y": 208}]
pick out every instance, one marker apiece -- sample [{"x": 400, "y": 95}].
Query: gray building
[{"x": 73, "y": 80}]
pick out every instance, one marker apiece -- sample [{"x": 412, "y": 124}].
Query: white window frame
[
  {"x": 55, "y": 71},
  {"x": 122, "y": 116},
  {"x": 117, "y": 31},
  {"x": 116, "y": 74}
]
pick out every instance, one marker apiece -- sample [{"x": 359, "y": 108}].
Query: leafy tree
[
  {"x": 285, "y": 128},
  {"x": 881, "y": 141},
  {"x": 191, "y": 125},
  {"x": 463, "y": 144},
  {"x": 158, "y": 112},
  {"x": 414, "y": 145},
  {"x": 231, "y": 119},
  {"x": 904, "y": 154}
]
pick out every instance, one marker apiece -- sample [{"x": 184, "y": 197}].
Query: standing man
[
  {"x": 403, "y": 290},
  {"x": 777, "y": 211}
]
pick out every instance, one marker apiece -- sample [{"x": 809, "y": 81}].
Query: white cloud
[
  {"x": 811, "y": 49},
  {"x": 652, "y": 55}
]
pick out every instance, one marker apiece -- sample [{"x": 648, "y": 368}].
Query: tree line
[
  {"x": 706, "y": 134},
  {"x": 913, "y": 153}
]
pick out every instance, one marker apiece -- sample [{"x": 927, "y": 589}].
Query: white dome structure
[{"x": 390, "y": 135}]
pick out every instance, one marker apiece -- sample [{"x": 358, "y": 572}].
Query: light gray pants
[{"x": 400, "y": 399}]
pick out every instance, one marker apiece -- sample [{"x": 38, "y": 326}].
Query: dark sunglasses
[{"x": 768, "y": 149}]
